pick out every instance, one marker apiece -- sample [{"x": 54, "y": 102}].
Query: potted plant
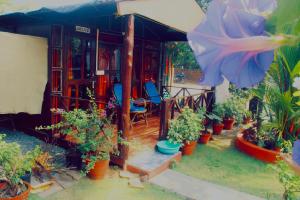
[
  {"x": 247, "y": 117},
  {"x": 216, "y": 117},
  {"x": 14, "y": 165},
  {"x": 232, "y": 112},
  {"x": 94, "y": 134},
  {"x": 185, "y": 130},
  {"x": 205, "y": 134}
]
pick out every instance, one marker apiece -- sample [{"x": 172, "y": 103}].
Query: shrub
[
  {"x": 92, "y": 130},
  {"x": 14, "y": 165},
  {"x": 185, "y": 128}
]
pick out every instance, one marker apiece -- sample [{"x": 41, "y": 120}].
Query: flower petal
[
  {"x": 231, "y": 42},
  {"x": 296, "y": 152}
]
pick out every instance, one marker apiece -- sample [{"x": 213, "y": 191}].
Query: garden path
[{"x": 195, "y": 189}]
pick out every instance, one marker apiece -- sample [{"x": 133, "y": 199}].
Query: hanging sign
[{"x": 83, "y": 29}]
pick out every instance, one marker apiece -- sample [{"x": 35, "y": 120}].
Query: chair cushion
[
  {"x": 135, "y": 109},
  {"x": 118, "y": 93},
  {"x": 152, "y": 92},
  {"x": 155, "y": 100}
]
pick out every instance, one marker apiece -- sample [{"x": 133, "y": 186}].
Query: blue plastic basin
[{"x": 166, "y": 147}]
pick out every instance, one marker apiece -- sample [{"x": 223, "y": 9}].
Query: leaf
[
  {"x": 296, "y": 70},
  {"x": 296, "y": 94}
]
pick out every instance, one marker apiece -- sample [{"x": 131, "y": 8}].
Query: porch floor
[{"x": 146, "y": 136}]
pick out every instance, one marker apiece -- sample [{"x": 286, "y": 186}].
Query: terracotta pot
[
  {"x": 204, "y": 138},
  {"x": 246, "y": 120},
  {"x": 278, "y": 149},
  {"x": 188, "y": 148},
  {"x": 228, "y": 123},
  {"x": 217, "y": 128},
  {"x": 255, "y": 151},
  {"x": 23, "y": 196},
  {"x": 99, "y": 170}
]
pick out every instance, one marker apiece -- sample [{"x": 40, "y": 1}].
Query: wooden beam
[{"x": 126, "y": 80}]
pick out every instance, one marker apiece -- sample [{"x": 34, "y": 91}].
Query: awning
[
  {"x": 23, "y": 73},
  {"x": 182, "y": 15}
]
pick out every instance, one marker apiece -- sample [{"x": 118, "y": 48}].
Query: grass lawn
[
  {"x": 219, "y": 162},
  {"x": 110, "y": 189}
]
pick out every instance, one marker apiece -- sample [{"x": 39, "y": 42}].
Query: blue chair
[
  {"x": 152, "y": 93},
  {"x": 135, "y": 110}
]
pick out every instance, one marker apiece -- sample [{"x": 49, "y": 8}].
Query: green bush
[
  {"x": 289, "y": 180},
  {"x": 92, "y": 130},
  {"x": 217, "y": 114},
  {"x": 185, "y": 128},
  {"x": 14, "y": 165},
  {"x": 234, "y": 108}
]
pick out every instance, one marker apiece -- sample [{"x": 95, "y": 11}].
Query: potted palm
[
  {"x": 185, "y": 130},
  {"x": 216, "y": 117},
  {"x": 205, "y": 134},
  {"x": 14, "y": 165},
  {"x": 94, "y": 134}
]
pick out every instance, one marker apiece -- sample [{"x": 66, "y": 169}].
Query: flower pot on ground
[
  {"x": 205, "y": 137},
  {"x": 99, "y": 169},
  {"x": 217, "y": 128},
  {"x": 233, "y": 112},
  {"x": 14, "y": 164},
  {"x": 228, "y": 123},
  {"x": 95, "y": 134},
  {"x": 189, "y": 147},
  {"x": 216, "y": 117},
  {"x": 185, "y": 130}
]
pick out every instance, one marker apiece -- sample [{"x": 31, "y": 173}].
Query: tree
[{"x": 183, "y": 56}]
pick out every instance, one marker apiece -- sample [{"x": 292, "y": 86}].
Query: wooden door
[{"x": 80, "y": 70}]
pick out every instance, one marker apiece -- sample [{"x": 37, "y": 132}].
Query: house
[{"x": 95, "y": 44}]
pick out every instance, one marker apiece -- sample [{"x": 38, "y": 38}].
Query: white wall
[{"x": 222, "y": 92}]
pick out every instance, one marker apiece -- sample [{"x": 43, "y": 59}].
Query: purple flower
[
  {"x": 296, "y": 152},
  {"x": 231, "y": 42}
]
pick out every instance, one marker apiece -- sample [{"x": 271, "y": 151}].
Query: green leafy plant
[
  {"x": 289, "y": 180},
  {"x": 234, "y": 108},
  {"x": 14, "y": 165},
  {"x": 92, "y": 130},
  {"x": 217, "y": 114},
  {"x": 185, "y": 128},
  {"x": 247, "y": 114}
]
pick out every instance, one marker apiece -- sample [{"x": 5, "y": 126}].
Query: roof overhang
[
  {"x": 182, "y": 15},
  {"x": 171, "y": 18}
]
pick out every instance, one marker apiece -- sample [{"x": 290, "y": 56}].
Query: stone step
[
  {"x": 151, "y": 163},
  {"x": 192, "y": 188}
]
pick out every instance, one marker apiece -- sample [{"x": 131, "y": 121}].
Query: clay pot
[
  {"x": 189, "y": 147},
  {"x": 228, "y": 123},
  {"x": 255, "y": 151},
  {"x": 217, "y": 128},
  {"x": 99, "y": 170},
  {"x": 246, "y": 120},
  {"x": 204, "y": 138},
  {"x": 278, "y": 149},
  {"x": 23, "y": 196}
]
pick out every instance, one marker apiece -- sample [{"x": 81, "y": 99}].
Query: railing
[{"x": 172, "y": 106}]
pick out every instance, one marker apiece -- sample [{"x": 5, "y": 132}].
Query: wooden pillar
[
  {"x": 165, "y": 117},
  {"x": 126, "y": 80}
]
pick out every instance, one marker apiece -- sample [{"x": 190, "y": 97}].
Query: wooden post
[
  {"x": 165, "y": 117},
  {"x": 126, "y": 81}
]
